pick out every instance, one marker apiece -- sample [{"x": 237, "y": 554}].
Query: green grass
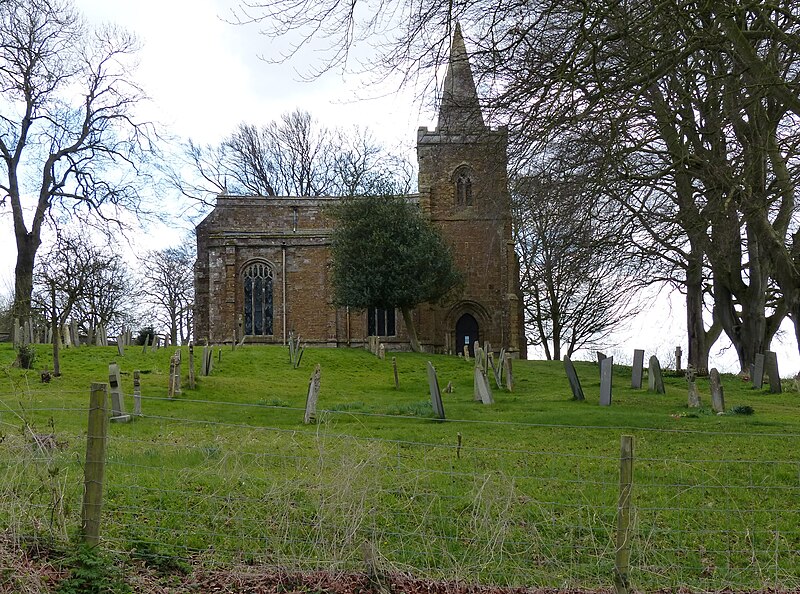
[{"x": 228, "y": 474}]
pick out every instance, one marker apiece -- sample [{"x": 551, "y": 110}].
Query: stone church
[{"x": 263, "y": 263}]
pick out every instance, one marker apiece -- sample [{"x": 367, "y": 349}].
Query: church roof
[{"x": 460, "y": 109}]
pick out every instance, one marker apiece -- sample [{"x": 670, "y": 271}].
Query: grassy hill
[{"x": 520, "y": 492}]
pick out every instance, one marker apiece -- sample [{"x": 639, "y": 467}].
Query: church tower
[{"x": 463, "y": 188}]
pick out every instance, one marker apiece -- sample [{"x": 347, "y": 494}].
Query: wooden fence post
[
  {"x": 623, "y": 546},
  {"x": 94, "y": 469}
]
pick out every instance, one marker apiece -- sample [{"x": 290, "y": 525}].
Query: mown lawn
[{"x": 522, "y": 492}]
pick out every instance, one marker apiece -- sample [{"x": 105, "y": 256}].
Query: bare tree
[
  {"x": 90, "y": 282},
  {"x": 168, "y": 288},
  {"x": 293, "y": 156},
  {"x": 68, "y": 139}
]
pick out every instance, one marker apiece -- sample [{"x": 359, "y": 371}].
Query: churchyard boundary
[{"x": 597, "y": 507}]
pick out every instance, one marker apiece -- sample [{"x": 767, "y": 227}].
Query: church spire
[{"x": 460, "y": 110}]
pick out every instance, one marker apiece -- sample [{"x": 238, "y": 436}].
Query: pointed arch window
[
  {"x": 257, "y": 279},
  {"x": 463, "y": 183}
]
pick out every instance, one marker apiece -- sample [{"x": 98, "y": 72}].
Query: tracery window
[
  {"x": 463, "y": 181},
  {"x": 257, "y": 280}
]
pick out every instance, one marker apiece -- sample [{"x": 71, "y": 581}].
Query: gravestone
[
  {"x": 191, "y": 366},
  {"x": 481, "y": 388},
  {"x": 655, "y": 381},
  {"x": 466, "y": 352},
  {"x": 381, "y": 352},
  {"x": 758, "y": 372},
  {"x": 137, "y": 395},
  {"x": 574, "y": 382},
  {"x": 65, "y": 333},
  {"x": 717, "y": 395},
  {"x": 26, "y": 333},
  {"x": 600, "y": 357},
  {"x": 606, "y": 368},
  {"x": 74, "y": 336},
  {"x": 436, "y": 395},
  {"x": 204, "y": 361},
  {"x": 638, "y": 368},
  {"x": 694, "y": 396},
  {"x": 507, "y": 365},
  {"x": 497, "y": 371},
  {"x": 17, "y": 334},
  {"x": 117, "y": 402},
  {"x": 154, "y": 346},
  {"x": 121, "y": 345},
  {"x": 312, "y": 397},
  {"x": 678, "y": 355},
  {"x": 771, "y": 367}
]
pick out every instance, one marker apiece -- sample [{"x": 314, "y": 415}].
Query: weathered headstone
[
  {"x": 137, "y": 394},
  {"x": 507, "y": 364},
  {"x": 758, "y": 372},
  {"x": 678, "y": 355},
  {"x": 693, "y": 400},
  {"x": 606, "y": 368},
  {"x": 572, "y": 377},
  {"x": 600, "y": 357},
  {"x": 481, "y": 388},
  {"x": 17, "y": 333},
  {"x": 117, "y": 402},
  {"x": 312, "y": 397},
  {"x": 717, "y": 395},
  {"x": 26, "y": 333},
  {"x": 121, "y": 345},
  {"x": 65, "y": 333},
  {"x": 655, "y": 381},
  {"x": 638, "y": 368},
  {"x": 771, "y": 367},
  {"x": 466, "y": 352},
  {"x": 497, "y": 371},
  {"x": 381, "y": 352},
  {"x": 204, "y": 361},
  {"x": 396, "y": 377},
  {"x": 154, "y": 346},
  {"x": 436, "y": 395},
  {"x": 192, "y": 383},
  {"x": 73, "y": 329}
]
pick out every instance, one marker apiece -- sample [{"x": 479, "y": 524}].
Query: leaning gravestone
[
  {"x": 717, "y": 395},
  {"x": 313, "y": 395},
  {"x": 638, "y": 368},
  {"x": 436, "y": 395},
  {"x": 771, "y": 367},
  {"x": 572, "y": 377},
  {"x": 758, "y": 372},
  {"x": 117, "y": 403},
  {"x": 507, "y": 365},
  {"x": 606, "y": 367},
  {"x": 600, "y": 356},
  {"x": 655, "y": 381},
  {"x": 497, "y": 370},
  {"x": 481, "y": 387}
]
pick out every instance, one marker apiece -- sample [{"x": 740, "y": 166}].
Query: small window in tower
[{"x": 463, "y": 181}]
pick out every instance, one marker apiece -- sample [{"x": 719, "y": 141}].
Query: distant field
[{"x": 228, "y": 475}]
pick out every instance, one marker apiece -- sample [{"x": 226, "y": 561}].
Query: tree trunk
[
  {"x": 56, "y": 341},
  {"x": 410, "y": 329},
  {"x": 27, "y": 245},
  {"x": 699, "y": 346}
]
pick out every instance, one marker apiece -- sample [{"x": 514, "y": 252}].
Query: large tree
[
  {"x": 68, "y": 138},
  {"x": 294, "y": 155},
  {"x": 386, "y": 254}
]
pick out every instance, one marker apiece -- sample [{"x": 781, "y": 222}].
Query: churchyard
[{"x": 520, "y": 488}]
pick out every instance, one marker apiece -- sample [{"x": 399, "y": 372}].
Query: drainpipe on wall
[{"x": 283, "y": 292}]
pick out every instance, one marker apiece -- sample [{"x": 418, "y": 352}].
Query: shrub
[{"x": 26, "y": 355}]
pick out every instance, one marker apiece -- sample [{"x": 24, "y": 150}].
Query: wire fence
[{"x": 444, "y": 500}]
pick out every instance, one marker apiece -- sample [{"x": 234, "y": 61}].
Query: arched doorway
[{"x": 467, "y": 333}]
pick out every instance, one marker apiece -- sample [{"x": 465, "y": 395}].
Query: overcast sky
[{"x": 204, "y": 76}]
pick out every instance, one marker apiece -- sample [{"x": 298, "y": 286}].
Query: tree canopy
[{"x": 387, "y": 255}]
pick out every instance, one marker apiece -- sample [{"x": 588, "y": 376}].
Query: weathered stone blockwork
[{"x": 463, "y": 189}]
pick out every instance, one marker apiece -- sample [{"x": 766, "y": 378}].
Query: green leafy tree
[{"x": 386, "y": 255}]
